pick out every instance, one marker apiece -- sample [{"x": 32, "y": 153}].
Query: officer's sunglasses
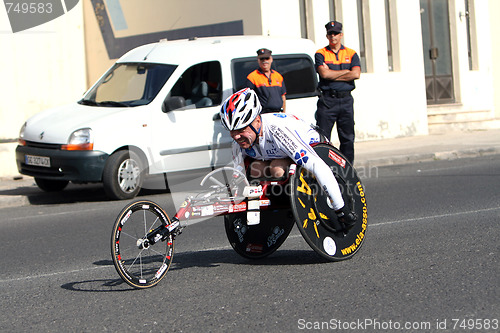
[{"x": 334, "y": 33}]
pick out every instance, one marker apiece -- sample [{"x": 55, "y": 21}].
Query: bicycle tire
[
  {"x": 139, "y": 264},
  {"x": 316, "y": 220}
]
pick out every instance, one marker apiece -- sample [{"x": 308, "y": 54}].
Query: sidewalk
[
  {"x": 16, "y": 191},
  {"x": 448, "y": 146}
]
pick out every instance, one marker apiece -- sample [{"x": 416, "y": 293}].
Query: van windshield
[{"x": 129, "y": 84}]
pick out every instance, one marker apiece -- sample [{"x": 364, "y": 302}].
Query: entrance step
[{"x": 446, "y": 118}]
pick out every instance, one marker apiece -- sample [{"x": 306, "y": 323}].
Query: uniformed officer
[
  {"x": 338, "y": 67},
  {"x": 268, "y": 84}
]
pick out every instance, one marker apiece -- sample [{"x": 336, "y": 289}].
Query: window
[
  {"x": 390, "y": 57},
  {"x": 303, "y": 18},
  {"x": 361, "y": 31},
  {"x": 200, "y": 85},
  {"x": 297, "y": 71},
  {"x": 129, "y": 84},
  {"x": 471, "y": 42},
  {"x": 332, "y": 10}
]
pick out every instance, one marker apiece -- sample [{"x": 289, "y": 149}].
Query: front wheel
[
  {"x": 138, "y": 261},
  {"x": 122, "y": 176}
]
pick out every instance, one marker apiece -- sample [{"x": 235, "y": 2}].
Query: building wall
[
  {"x": 134, "y": 23},
  {"x": 494, "y": 9},
  {"x": 387, "y": 103},
  {"x": 41, "y": 67},
  {"x": 54, "y": 63},
  {"x": 473, "y": 88}
]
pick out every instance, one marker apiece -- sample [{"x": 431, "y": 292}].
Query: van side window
[
  {"x": 200, "y": 85},
  {"x": 297, "y": 70}
]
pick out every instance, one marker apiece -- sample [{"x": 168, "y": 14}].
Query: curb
[
  {"x": 428, "y": 157},
  {"x": 16, "y": 200}
]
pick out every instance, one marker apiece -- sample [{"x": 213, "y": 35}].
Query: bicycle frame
[{"x": 195, "y": 208}]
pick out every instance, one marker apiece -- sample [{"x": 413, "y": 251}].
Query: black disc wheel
[
  {"x": 314, "y": 215},
  {"x": 258, "y": 241},
  {"x": 140, "y": 262}
]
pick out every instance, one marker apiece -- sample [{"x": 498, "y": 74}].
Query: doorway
[{"x": 437, "y": 51}]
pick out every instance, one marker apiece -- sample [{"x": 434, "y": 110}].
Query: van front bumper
[{"x": 75, "y": 166}]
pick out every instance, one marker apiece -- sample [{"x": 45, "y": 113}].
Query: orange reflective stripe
[
  {"x": 344, "y": 56},
  {"x": 261, "y": 80}
]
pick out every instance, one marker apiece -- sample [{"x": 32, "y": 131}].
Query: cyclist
[{"x": 273, "y": 140}]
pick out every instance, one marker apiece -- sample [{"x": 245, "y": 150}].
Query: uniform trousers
[{"x": 340, "y": 110}]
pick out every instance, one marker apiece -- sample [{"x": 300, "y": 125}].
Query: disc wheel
[
  {"x": 258, "y": 241},
  {"x": 138, "y": 262},
  {"x": 314, "y": 216}
]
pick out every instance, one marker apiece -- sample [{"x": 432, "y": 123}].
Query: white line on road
[
  {"x": 25, "y": 278},
  {"x": 435, "y": 216}
]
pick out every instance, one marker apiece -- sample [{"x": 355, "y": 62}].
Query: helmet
[{"x": 240, "y": 109}]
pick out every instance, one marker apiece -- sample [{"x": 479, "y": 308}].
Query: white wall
[
  {"x": 475, "y": 86},
  {"x": 494, "y": 9},
  {"x": 41, "y": 67}
]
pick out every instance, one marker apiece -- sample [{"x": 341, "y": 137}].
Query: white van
[{"x": 155, "y": 111}]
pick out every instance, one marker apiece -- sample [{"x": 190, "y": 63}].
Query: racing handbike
[{"x": 258, "y": 216}]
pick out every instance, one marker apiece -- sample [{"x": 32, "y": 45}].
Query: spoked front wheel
[{"x": 141, "y": 254}]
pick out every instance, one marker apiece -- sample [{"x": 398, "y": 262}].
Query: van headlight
[
  {"x": 81, "y": 139},
  {"x": 21, "y": 140}
]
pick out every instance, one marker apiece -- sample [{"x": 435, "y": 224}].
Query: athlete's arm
[{"x": 303, "y": 154}]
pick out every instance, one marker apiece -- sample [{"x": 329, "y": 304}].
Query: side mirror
[
  {"x": 216, "y": 116},
  {"x": 173, "y": 103}
]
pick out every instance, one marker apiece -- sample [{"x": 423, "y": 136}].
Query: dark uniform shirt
[
  {"x": 269, "y": 90},
  {"x": 346, "y": 58}
]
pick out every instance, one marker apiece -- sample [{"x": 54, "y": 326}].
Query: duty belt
[{"x": 335, "y": 93}]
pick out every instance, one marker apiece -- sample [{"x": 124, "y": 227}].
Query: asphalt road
[{"x": 430, "y": 263}]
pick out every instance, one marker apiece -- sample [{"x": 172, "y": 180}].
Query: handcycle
[{"x": 258, "y": 217}]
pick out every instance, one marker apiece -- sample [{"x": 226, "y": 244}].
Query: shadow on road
[
  {"x": 205, "y": 259},
  {"x": 74, "y": 193},
  {"x": 26, "y": 190}
]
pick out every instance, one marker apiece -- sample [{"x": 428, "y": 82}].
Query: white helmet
[{"x": 240, "y": 109}]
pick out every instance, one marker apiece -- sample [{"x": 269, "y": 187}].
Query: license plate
[{"x": 37, "y": 160}]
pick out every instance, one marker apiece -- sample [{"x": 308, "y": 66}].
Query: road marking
[
  {"x": 24, "y": 278},
  {"x": 50, "y": 274},
  {"x": 42, "y": 214},
  {"x": 435, "y": 216}
]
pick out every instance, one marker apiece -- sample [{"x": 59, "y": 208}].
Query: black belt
[{"x": 336, "y": 94}]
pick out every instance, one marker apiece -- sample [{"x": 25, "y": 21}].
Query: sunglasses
[
  {"x": 261, "y": 59},
  {"x": 334, "y": 33}
]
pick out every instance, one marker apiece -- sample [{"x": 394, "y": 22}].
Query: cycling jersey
[{"x": 283, "y": 135}]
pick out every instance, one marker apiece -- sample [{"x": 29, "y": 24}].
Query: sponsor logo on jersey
[{"x": 301, "y": 157}]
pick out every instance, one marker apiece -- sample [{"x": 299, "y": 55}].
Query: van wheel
[
  {"x": 51, "y": 185},
  {"x": 122, "y": 177}
]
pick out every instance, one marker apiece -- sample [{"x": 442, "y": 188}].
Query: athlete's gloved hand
[{"x": 347, "y": 217}]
